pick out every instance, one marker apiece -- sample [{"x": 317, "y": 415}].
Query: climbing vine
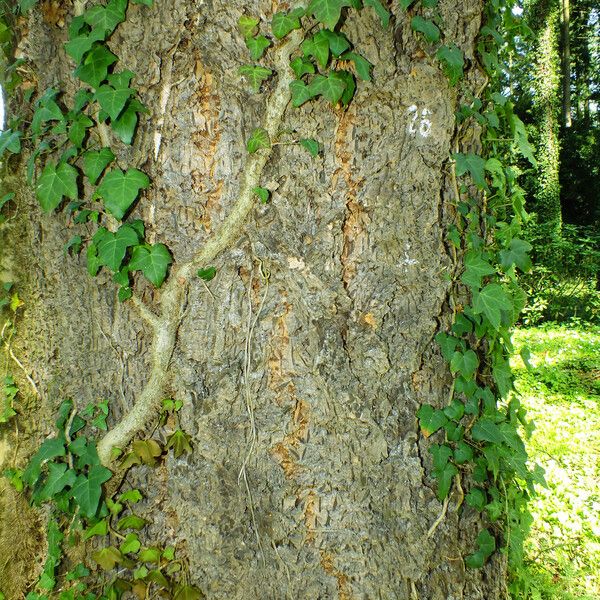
[{"x": 74, "y": 142}]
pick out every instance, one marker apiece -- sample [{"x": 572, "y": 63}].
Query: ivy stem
[{"x": 166, "y": 324}]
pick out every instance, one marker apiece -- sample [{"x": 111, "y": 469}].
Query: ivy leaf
[
  {"x": 327, "y": 11},
  {"x": 209, "y": 273},
  {"x": 131, "y": 544},
  {"x": 113, "y": 246},
  {"x": 318, "y": 47},
  {"x": 113, "y": 100},
  {"x": 247, "y": 25},
  {"x": 78, "y": 46},
  {"x": 311, "y": 145},
  {"x": 134, "y": 496},
  {"x": 430, "y": 419},
  {"x": 475, "y": 269},
  {"x": 255, "y": 75},
  {"x": 10, "y": 140},
  {"x": 301, "y": 93},
  {"x": 54, "y": 184},
  {"x": 455, "y": 410},
  {"x": 361, "y": 65},
  {"x": 153, "y": 261},
  {"x": 463, "y": 453},
  {"x": 381, "y": 11},
  {"x": 348, "y": 79},
  {"x": 94, "y": 68},
  {"x": 120, "y": 190},
  {"x": 131, "y": 522},
  {"x": 490, "y": 301},
  {"x": 332, "y": 88},
  {"x": 426, "y": 27},
  {"x": 100, "y": 528},
  {"x": 108, "y": 558},
  {"x": 447, "y": 344},
  {"x": 180, "y": 442},
  {"x": 257, "y": 46},
  {"x": 106, "y": 18},
  {"x": 88, "y": 489},
  {"x": 188, "y": 592},
  {"x": 94, "y": 163},
  {"x": 150, "y": 555},
  {"x": 444, "y": 479},
  {"x": 284, "y": 22},
  {"x": 85, "y": 451},
  {"x": 452, "y": 61},
  {"x": 78, "y": 129},
  {"x": 487, "y": 545},
  {"x": 59, "y": 477},
  {"x": 26, "y": 5},
  {"x": 472, "y": 164},
  {"x": 263, "y": 194},
  {"x": 476, "y": 498},
  {"x": 466, "y": 364},
  {"x": 259, "y": 139},
  {"x": 301, "y": 66},
  {"x": 521, "y": 139},
  {"x": 124, "y": 126},
  {"x": 338, "y": 42},
  {"x": 517, "y": 254},
  {"x": 486, "y": 430},
  {"x": 144, "y": 2}
]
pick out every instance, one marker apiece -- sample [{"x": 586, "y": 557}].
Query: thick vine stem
[{"x": 165, "y": 325}]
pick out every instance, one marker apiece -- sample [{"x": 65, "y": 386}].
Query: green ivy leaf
[
  {"x": 452, "y": 61},
  {"x": 447, "y": 344},
  {"x": 338, "y": 42},
  {"x": 26, "y": 5},
  {"x": 455, "y": 410},
  {"x": 85, "y": 451},
  {"x": 380, "y": 10},
  {"x": 247, "y": 25},
  {"x": 108, "y": 558},
  {"x": 88, "y": 489},
  {"x": 430, "y": 419},
  {"x": 131, "y": 544},
  {"x": 472, "y": 164},
  {"x": 257, "y": 46},
  {"x": 463, "y": 453},
  {"x": 207, "y": 274},
  {"x": 311, "y": 145},
  {"x": 10, "y": 140},
  {"x": 255, "y": 75},
  {"x": 327, "y": 11},
  {"x": 487, "y": 545},
  {"x": 259, "y": 139},
  {"x": 131, "y": 522},
  {"x": 188, "y": 592},
  {"x": 476, "y": 498},
  {"x": 150, "y": 555},
  {"x": 522, "y": 139},
  {"x": 78, "y": 46},
  {"x": 491, "y": 301},
  {"x": 445, "y": 478},
  {"x": 517, "y": 254},
  {"x": 59, "y": 477},
  {"x": 94, "y": 163},
  {"x": 331, "y": 87},
  {"x": 113, "y": 100},
  {"x": 301, "y": 93},
  {"x": 78, "y": 129},
  {"x": 464, "y": 363},
  {"x": 348, "y": 79},
  {"x": 94, "y": 68},
  {"x": 427, "y": 28},
  {"x": 476, "y": 267},
  {"x": 55, "y": 183},
  {"x": 106, "y": 18},
  {"x": 317, "y": 47},
  {"x": 361, "y": 65},
  {"x": 301, "y": 66},
  {"x": 112, "y": 247},
  {"x": 180, "y": 442},
  {"x": 284, "y": 22},
  {"x": 100, "y": 528},
  {"x": 120, "y": 190},
  {"x": 144, "y": 2},
  {"x": 134, "y": 496},
  {"x": 262, "y": 193},
  {"x": 124, "y": 126},
  {"x": 153, "y": 261}
]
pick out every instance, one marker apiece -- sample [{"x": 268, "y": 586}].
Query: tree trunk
[
  {"x": 565, "y": 57},
  {"x": 303, "y": 363}
]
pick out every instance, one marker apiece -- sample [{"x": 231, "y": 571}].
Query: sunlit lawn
[{"x": 562, "y": 395}]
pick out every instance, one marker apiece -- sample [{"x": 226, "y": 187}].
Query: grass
[{"x": 561, "y": 391}]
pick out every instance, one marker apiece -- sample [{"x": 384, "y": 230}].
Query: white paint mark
[{"x": 419, "y": 124}]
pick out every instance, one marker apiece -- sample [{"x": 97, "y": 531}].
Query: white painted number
[{"x": 421, "y": 125}]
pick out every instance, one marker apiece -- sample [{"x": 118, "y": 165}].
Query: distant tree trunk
[
  {"x": 565, "y": 57},
  {"x": 543, "y": 18},
  {"x": 318, "y": 329}
]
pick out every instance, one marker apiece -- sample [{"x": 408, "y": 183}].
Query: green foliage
[{"x": 259, "y": 139}]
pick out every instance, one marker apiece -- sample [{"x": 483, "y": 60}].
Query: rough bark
[{"x": 330, "y": 356}]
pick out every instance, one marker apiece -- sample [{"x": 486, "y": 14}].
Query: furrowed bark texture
[{"x": 339, "y": 339}]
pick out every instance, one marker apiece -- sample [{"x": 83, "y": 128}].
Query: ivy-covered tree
[{"x": 268, "y": 253}]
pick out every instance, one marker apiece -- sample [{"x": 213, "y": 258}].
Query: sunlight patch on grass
[{"x": 562, "y": 395}]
